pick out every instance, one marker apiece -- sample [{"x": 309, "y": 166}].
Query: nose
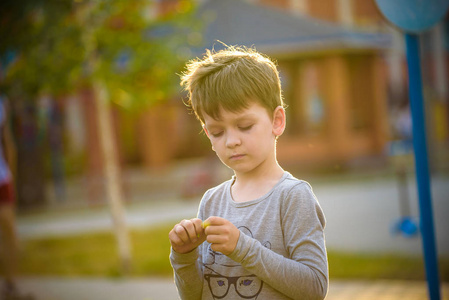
[{"x": 232, "y": 139}]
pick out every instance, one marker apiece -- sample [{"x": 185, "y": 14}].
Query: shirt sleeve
[
  {"x": 304, "y": 274},
  {"x": 188, "y": 274}
]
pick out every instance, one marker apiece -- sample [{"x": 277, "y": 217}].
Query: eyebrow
[
  {"x": 249, "y": 115},
  {"x": 216, "y": 123}
]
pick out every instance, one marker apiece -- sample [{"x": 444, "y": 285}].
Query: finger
[
  {"x": 225, "y": 229},
  {"x": 197, "y": 223},
  {"x": 217, "y": 247},
  {"x": 190, "y": 229},
  {"x": 214, "y": 221},
  {"x": 222, "y": 247},
  {"x": 217, "y": 239},
  {"x": 222, "y": 243},
  {"x": 182, "y": 233},
  {"x": 174, "y": 238},
  {"x": 175, "y": 235}
]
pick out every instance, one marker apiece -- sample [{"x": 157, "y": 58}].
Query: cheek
[
  {"x": 263, "y": 137},
  {"x": 216, "y": 146},
  {"x": 214, "y": 141}
]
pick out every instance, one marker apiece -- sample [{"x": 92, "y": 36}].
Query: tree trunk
[
  {"x": 30, "y": 180},
  {"x": 112, "y": 175}
]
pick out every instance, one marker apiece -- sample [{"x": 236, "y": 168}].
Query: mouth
[{"x": 236, "y": 156}]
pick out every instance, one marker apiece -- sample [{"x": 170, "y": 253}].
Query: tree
[
  {"x": 130, "y": 58},
  {"x": 39, "y": 42},
  {"x": 127, "y": 52}
]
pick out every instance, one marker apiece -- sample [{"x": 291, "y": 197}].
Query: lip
[{"x": 236, "y": 156}]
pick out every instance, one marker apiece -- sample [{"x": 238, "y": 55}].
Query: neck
[
  {"x": 251, "y": 186},
  {"x": 262, "y": 174}
]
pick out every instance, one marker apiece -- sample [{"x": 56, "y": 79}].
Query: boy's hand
[
  {"x": 222, "y": 234},
  {"x": 187, "y": 235}
]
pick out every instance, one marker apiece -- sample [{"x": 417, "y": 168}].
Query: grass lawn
[{"x": 95, "y": 255}]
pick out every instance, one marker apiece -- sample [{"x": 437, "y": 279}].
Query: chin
[{"x": 242, "y": 169}]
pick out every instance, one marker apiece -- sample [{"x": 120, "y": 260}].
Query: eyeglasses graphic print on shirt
[{"x": 246, "y": 287}]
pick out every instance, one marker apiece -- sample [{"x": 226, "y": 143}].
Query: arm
[
  {"x": 304, "y": 274},
  {"x": 185, "y": 258},
  {"x": 188, "y": 274}
]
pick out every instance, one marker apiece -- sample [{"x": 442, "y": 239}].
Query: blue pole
[{"x": 421, "y": 165}]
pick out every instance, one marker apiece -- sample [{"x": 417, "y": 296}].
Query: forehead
[{"x": 253, "y": 111}]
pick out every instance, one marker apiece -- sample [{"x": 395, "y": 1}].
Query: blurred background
[{"x": 102, "y": 145}]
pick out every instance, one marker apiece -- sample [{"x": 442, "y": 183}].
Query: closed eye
[
  {"x": 246, "y": 128},
  {"x": 217, "y": 134}
]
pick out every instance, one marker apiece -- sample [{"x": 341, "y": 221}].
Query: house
[{"x": 334, "y": 82}]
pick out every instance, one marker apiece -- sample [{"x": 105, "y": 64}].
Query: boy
[{"x": 262, "y": 235}]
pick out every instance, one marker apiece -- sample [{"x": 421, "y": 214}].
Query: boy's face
[{"x": 245, "y": 141}]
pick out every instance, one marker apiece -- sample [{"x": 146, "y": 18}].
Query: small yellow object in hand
[{"x": 205, "y": 224}]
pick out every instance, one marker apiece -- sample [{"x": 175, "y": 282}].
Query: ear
[{"x": 279, "y": 121}]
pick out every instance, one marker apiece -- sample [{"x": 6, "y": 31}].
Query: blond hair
[{"x": 231, "y": 79}]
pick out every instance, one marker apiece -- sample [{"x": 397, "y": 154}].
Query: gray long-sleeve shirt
[{"x": 280, "y": 253}]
